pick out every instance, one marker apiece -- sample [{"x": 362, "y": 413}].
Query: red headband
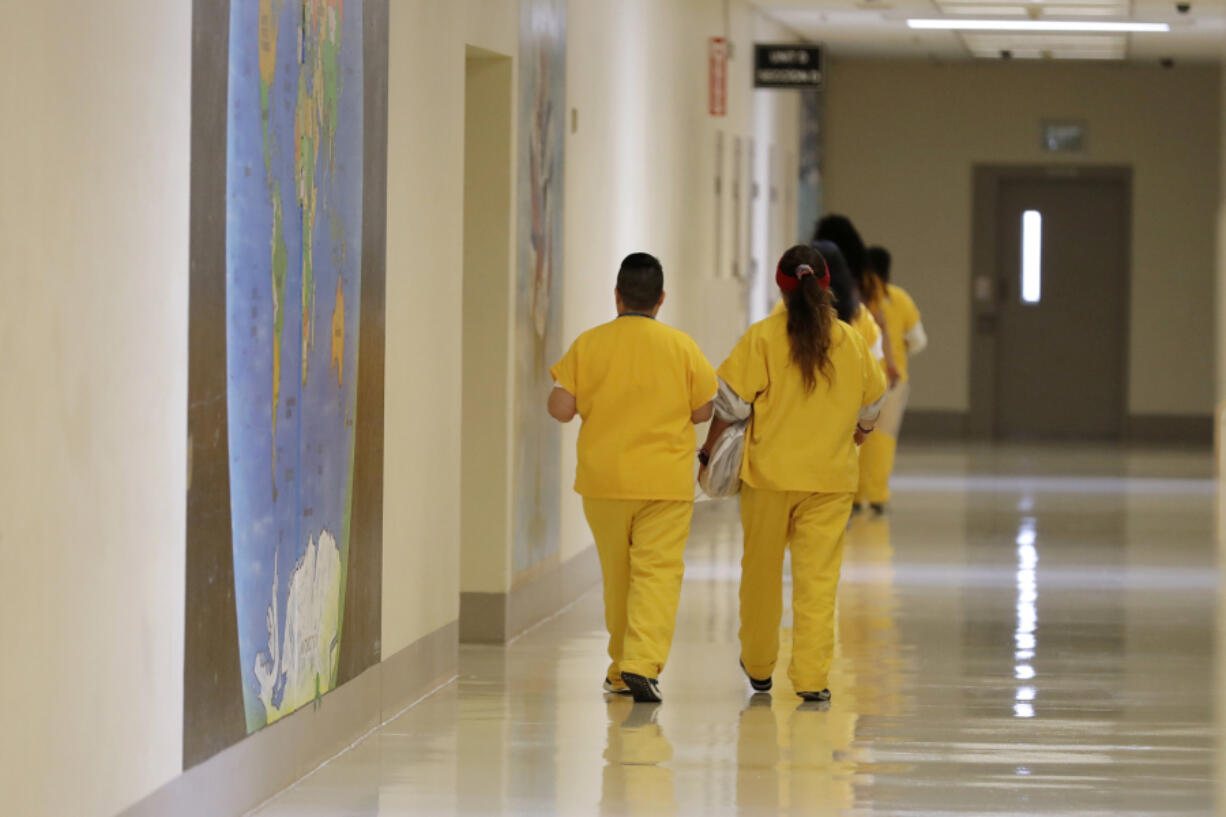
[{"x": 790, "y": 281}]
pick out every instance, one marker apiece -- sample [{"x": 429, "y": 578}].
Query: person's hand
[
  {"x": 892, "y": 375},
  {"x": 860, "y": 436}
]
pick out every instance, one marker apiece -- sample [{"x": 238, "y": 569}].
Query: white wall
[
  {"x": 94, "y": 141},
  {"x": 901, "y": 139},
  {"x": 425, "y": 210}
]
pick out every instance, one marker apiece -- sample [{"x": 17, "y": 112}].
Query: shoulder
[
  {"x": 845, "y": 335},
  {"x": 901, "y": 295},
  {"x": 595, "y": 333},
  {"x": 671, "y": 334}
]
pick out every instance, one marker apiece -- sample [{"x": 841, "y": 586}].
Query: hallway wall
[
  {"x": 425, "y": 209},
  {"x": 94, "y": 215},
  {"x": 901, "y": 141},
  {"x": 94, "y": 142}
]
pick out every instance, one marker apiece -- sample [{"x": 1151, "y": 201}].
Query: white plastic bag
[{"x": 722, "y": 476}]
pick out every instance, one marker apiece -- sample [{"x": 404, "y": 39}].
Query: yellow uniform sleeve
[
  {"x": 871, "y": 372},
  {"x": 566, "y": 371},
  {"x": 745, "y": 369},
  {"x": 703, "y": 384}
]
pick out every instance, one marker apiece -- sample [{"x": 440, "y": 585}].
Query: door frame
[{"x": 988, "y": 181}]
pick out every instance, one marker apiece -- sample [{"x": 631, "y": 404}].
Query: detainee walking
[
  {"x": 639, "y": 387},
  {"x": 811, "y": 391}
]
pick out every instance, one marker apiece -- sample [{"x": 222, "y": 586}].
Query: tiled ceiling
[{"x": 877, "y": 28}]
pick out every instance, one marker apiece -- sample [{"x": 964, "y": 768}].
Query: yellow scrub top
[
  {"x": 864, "y": 323},
  {"x": 798, "y": 440},
  {"x": 901, "y": 316},
  {"x": 636, "y": 383}
]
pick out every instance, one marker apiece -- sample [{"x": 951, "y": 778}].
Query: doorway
[
  {"x": 1051, "y": 303},
  {"x": 484, "y": 459}
]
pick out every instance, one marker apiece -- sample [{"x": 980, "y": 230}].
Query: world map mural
[{"x": 284, "y": 539}]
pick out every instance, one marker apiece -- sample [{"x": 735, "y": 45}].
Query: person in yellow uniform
[
  {"x": 640, "y": 387},
  {"x": 811, "y": 390},
  {"x": 840, "y": 231},
  {"x": 907, "y": 337}
]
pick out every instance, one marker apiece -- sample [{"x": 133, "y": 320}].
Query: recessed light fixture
[{"x": 1038, "y": 25}]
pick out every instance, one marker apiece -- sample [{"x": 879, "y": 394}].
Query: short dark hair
[
  {"x": 878, "y": 260},
  {"x": 640, "y": 281}
]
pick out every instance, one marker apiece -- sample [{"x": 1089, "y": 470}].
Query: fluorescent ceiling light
[{"x": 1037, "y": 25}]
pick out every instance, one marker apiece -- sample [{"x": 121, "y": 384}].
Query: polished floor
[{"x": 1027, "y": 632}]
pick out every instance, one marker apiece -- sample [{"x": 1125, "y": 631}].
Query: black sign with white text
[{"x": 787, "y": 66}]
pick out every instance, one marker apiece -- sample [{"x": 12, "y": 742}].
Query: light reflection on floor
[{"x": 1027, "y": 632}]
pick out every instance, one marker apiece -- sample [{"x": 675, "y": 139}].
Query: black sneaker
[
  {"x": 878, "y": 508},
  {"x": 758, "y": 684},
  {"x": 644, "y": 690},
  {"x": 816, "y": 697},
  {"x": 856, "y": 509},
  {"x": 612, "y": 690}
]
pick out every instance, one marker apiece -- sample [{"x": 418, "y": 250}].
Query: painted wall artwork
[
  {"x": 293, "y": 283},
  {"x": 286, "y": 363},
  {"x": 809, "y": 179},
  {"x": 542, "y": 119}
]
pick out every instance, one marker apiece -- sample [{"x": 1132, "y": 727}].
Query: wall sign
[
  {"x": 717, "y": 58},
  {"x": 787, "y": 66},
  {"x": 1064, "y": 136}
]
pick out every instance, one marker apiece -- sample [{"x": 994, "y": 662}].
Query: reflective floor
[{"x": 1025, "y": 633}]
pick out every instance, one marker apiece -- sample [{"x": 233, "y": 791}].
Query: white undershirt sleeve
[{"x": 917, "y": 339}]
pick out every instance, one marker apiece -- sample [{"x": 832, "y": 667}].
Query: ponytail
[{"x": 811, "y": 314}]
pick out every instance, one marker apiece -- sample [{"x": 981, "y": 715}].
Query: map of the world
[{"x": 293, "y": 269}]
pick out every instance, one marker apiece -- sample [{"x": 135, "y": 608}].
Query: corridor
[{"x": 1029, "y": 631}]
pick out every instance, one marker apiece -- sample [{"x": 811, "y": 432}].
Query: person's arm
[
  {"x": 562, "y": 406},
  {"x": 891, "y": 367},
  {"x": 703, "y": 386},
  {"x": 873, "y": 397},
  {"x": 729, "y": 409},
  {"x": 917, "y": 339},
  {"x": 867, "y": 421}
]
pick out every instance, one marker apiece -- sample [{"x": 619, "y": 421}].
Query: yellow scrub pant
[
  {"x": 877, "y": 452},
  {"x": 876, "y": 465},
  {"x": 813, "y": 525},
  {"x": 641, "y": 544}
]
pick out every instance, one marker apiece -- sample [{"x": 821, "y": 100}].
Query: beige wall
[
  {"x": 93, "y": 410},
  {"x": 1221, "y": 258},
  {"x": 425, "y": 210},
  {"x": 901, "y": 139}
]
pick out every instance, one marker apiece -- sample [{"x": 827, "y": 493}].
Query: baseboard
[
  {"x": 533, "y": 601},
  {"x": 495, "y": 618},
  {"x": 237, "y": 779},
  {"x": 941, "y": 425},
  {"x": 935, "y": 424},
  {"x": 1191, "y": 429},
  {"x": 483, "y": 618}
]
